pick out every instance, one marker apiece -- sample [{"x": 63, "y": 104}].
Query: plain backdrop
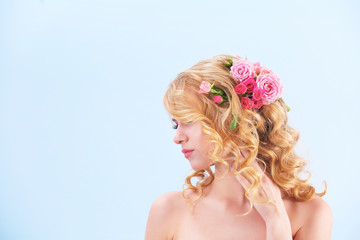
[{"x": 85, "y": 143}]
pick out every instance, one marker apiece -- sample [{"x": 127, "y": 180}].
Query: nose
[{"x": 180, "y": 136}]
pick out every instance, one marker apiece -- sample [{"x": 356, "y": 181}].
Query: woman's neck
[{"x": 226, "y": 189}]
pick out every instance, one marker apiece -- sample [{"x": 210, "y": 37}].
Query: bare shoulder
[
  {"x": 315, "y": 219},
  {"x": 168, "y": 202},
  {"x": 163, "y": 216}
]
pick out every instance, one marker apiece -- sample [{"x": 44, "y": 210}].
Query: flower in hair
[
  {"x": 257, "y": 104},
  {"x": 272, "y": 87},
  {"x": 257, "y": 68},
  {"x": 217, "y": 99},
  {"x": 240, "y": 88},
  {"x": 258, "y": 94},
  {"x": 256, "y": 85},
  {"x": 242, "y": 70},
  {"x": 255, "y": 82},
  {"x": 219, "y": 95},
  {"x": 246, "y": 103},
  {"x": 250, "y": 84},
  {"x": 205, "y": 87}
]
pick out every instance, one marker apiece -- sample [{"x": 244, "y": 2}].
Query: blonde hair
[{"x": 264, "y": 132}]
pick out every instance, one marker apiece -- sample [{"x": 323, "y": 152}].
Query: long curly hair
[{"x": 264, "y": 133}]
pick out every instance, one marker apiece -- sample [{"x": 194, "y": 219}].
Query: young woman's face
[{"x": 195, "y": 144}]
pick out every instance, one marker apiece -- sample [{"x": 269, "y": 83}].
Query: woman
[{"x": 229, "y": 114}]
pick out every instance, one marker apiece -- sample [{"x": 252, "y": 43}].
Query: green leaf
[
  {"x": 288, "y": 108},
  {"x": 217, "y": 91},
  {"x": 221, "y": 92},
  {"x": 230, "y": 61},
  {"x": 213, "y": 90},
  {"x": 233, "y": 124}
]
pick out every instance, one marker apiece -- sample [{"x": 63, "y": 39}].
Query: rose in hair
[
  {"x": 240, "y": 88},
  {"x": 217, "y": 99},
  {"x": 205, "y": 87},
  {"x": 272, "y": 87},
  {"x": 258, "y": 93},
  {"x": 257, "y": 68},
  {"x": 242, "y": 70},
  {"x": 265, "y": 70},
  {"x": 250, "y": 84},
  {"x": 246, "y": 102},
  {"x": 257, "y": 104}
]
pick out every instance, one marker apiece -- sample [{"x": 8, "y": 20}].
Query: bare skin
[{"x": 214, "y": 215}]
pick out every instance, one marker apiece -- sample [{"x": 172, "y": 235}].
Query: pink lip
[{"x": 187, "y": 152}]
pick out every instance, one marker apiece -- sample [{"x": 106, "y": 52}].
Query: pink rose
[
  {"x": 205, "y": 87},
  {"x": 250, "y": 84},
  {"x": 240, "y": 88},
  {"x": 246, "y": 102},
  {"x": 257, "y": 104},
  {"x": 265, "y": 70},
  {"x": 257, "y": 68},
  {"x": 258, "y": 93},
  {"x": 217, "y": 99},
  {"x": 242, "y": 70},
  {"x": 272, "y": 86}
]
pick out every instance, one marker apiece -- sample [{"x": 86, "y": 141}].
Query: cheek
[
  {"x": 201, "y": 139},
  {"x": 205, "y": 144}
]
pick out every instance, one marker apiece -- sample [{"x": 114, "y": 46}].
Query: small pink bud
[{"x": 217, "y": 99}]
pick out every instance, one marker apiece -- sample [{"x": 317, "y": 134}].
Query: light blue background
[{"x": 85, "y": 143}]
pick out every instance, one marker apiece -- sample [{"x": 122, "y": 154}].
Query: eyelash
[{"x": 175, "y": 125}]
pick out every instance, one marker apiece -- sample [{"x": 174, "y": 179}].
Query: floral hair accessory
[
  {"x": 218, "y": 95},
  {"x": 256, "y": 85}
]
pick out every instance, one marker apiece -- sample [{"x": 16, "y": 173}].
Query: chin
[{"x": 197, "y": 167}]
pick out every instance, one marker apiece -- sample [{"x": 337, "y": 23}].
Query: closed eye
[{"x": 175, "y": 124}]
